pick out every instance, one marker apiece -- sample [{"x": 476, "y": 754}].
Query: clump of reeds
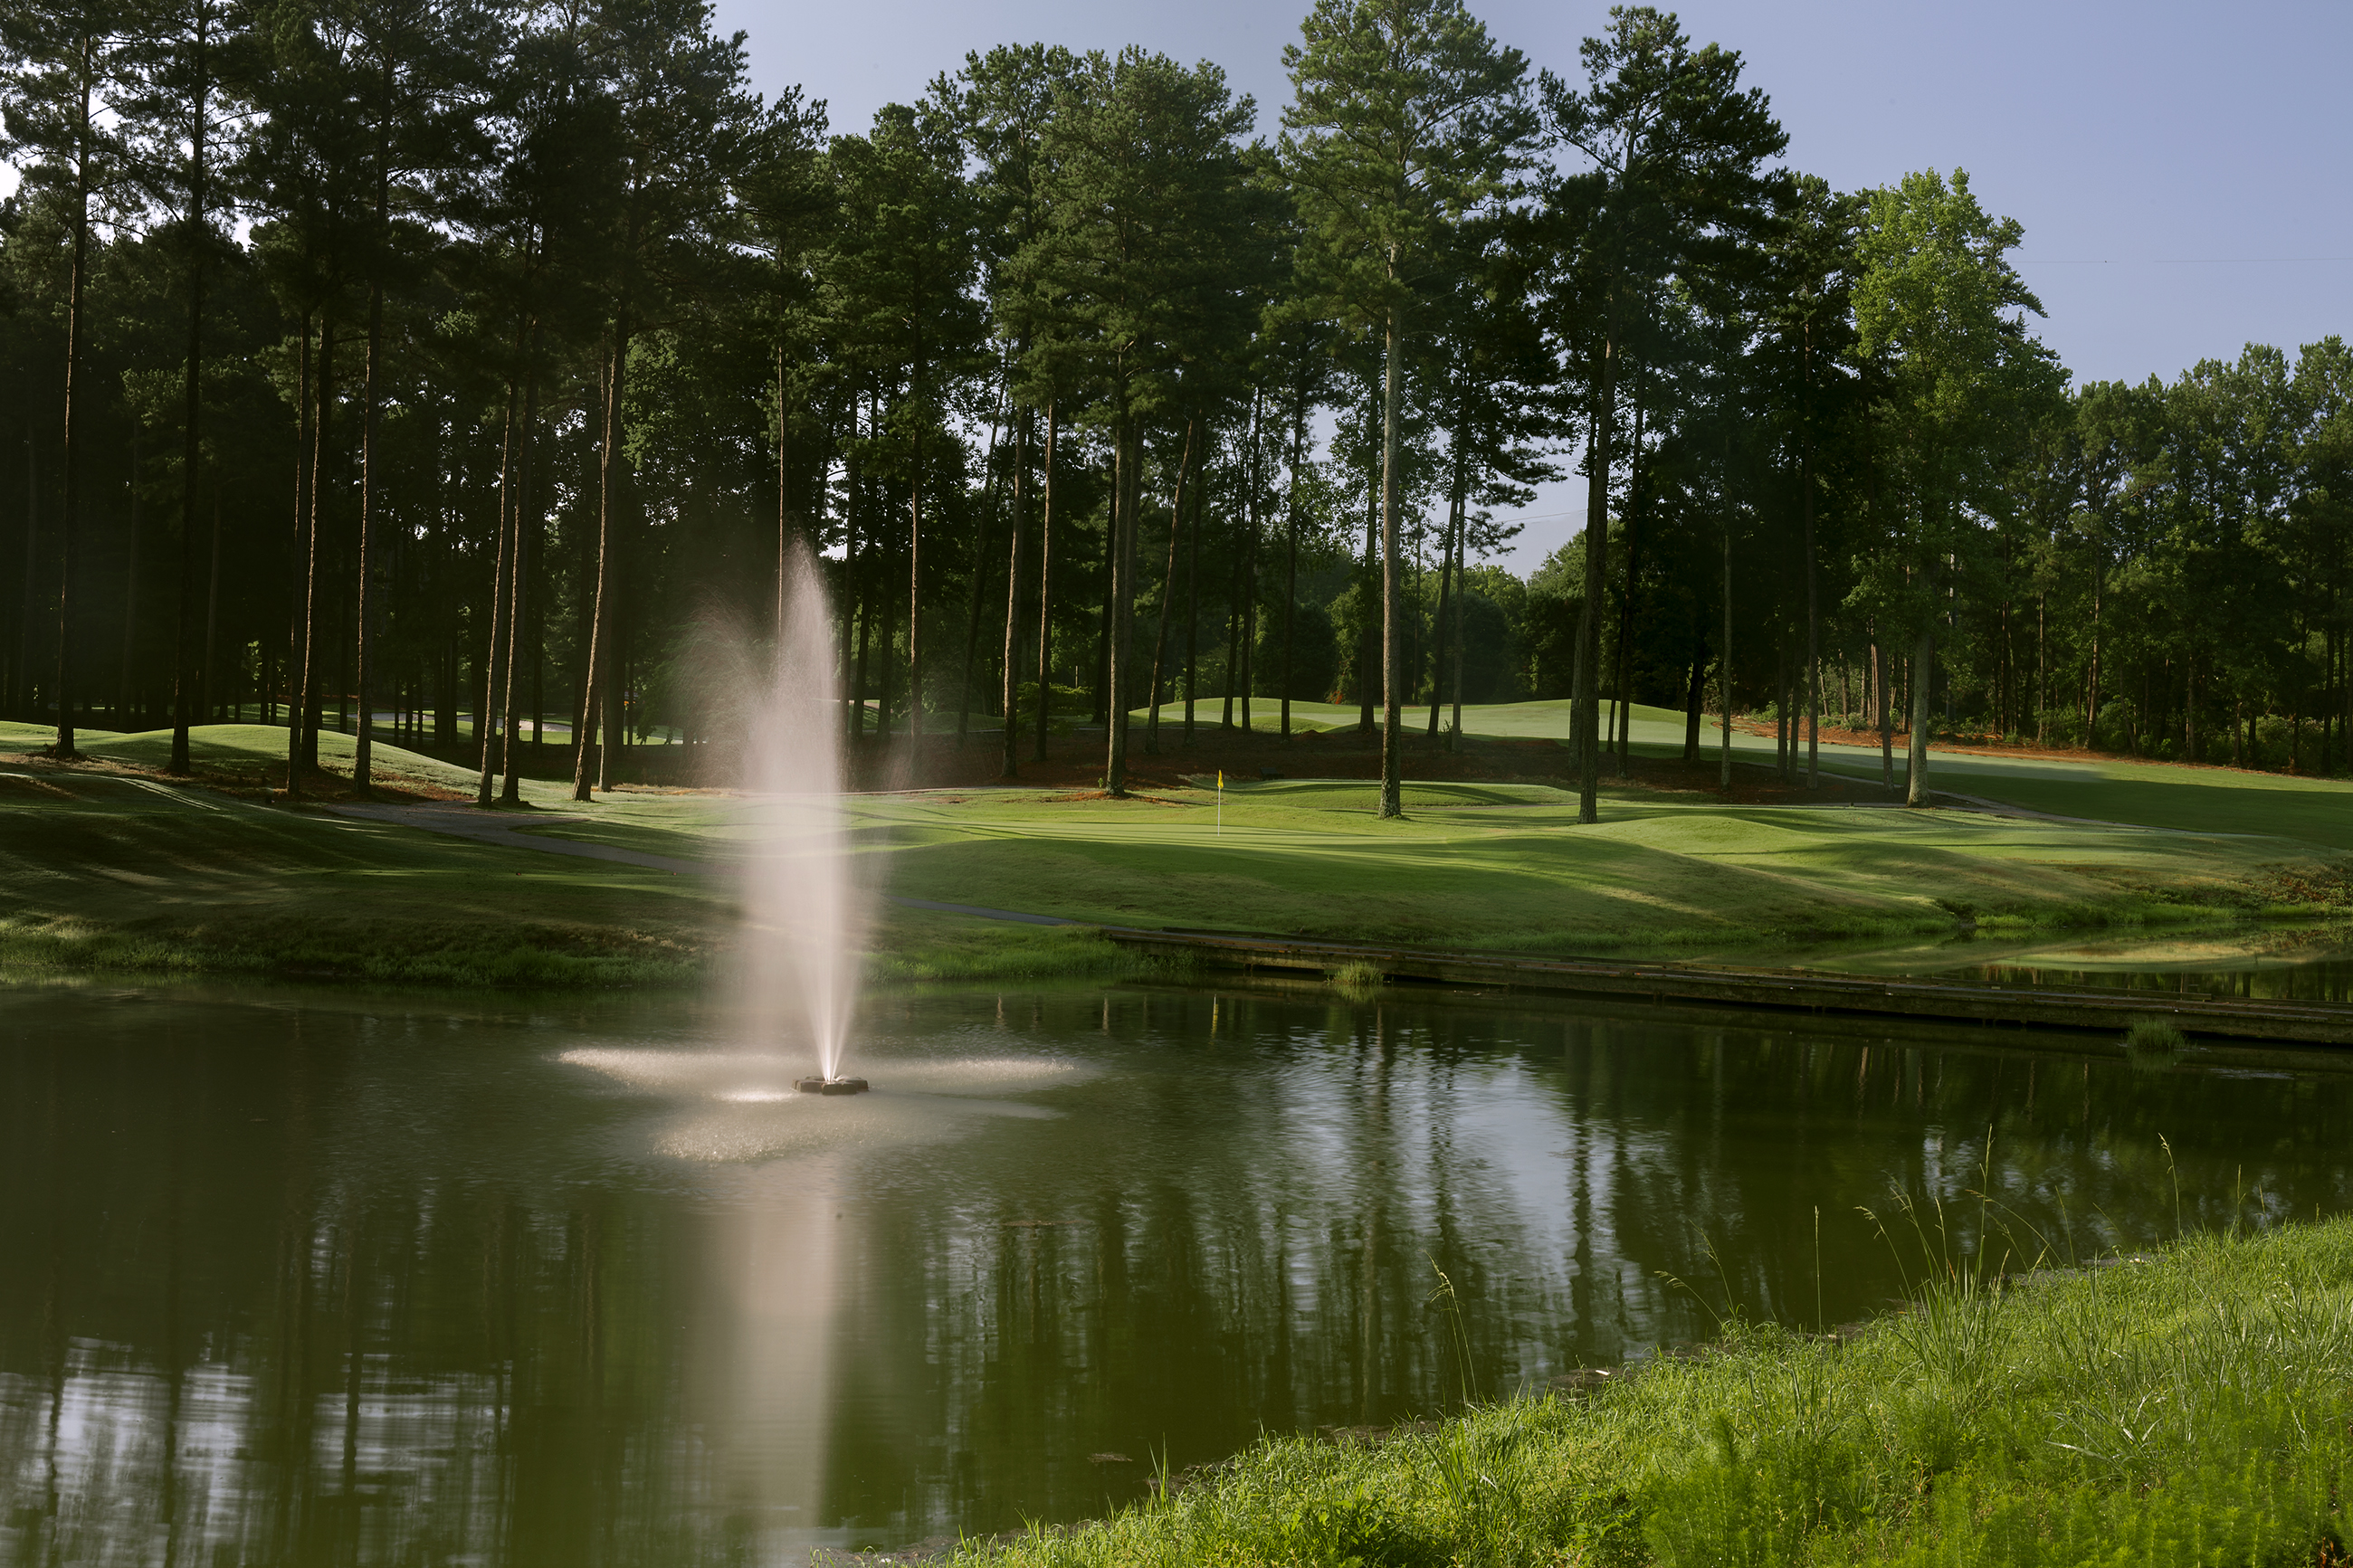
[{"x": 2153, "y": 1043}]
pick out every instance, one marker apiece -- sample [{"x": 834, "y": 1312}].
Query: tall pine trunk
[
  {"x": 1118, "y": 674},
  {"x": 1438, "y": 644},
  {"x": 191, "y": 451},
  {"x": 595, "y": 698},
  {"x": 1923, "y": 670},
  {"x": 915, "y": 571},
  {"x": 1291, "y": 530},
  {"x": 489, "y": 730},
  {"x": 1168, "y": 594},
  {"x": 70, "y": 512},
  {"x": 519, "y": 581},
  {"x": 1597, "y": 457},
  {"x": 372, "y": 472},
  {"x": 1046, "y": 581},
  {"x": 321, "y": 439},
  {"x": 1392, "y": 586},
  {"x": 1009, "y": 766}
]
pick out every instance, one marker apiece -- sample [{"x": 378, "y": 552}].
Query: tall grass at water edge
[{"x": 2182, "y": 1409}]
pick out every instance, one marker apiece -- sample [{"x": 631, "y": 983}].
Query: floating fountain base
[{"x": 831, "y": 1085}]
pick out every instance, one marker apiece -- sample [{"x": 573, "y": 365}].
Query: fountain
[{"x": 804, "y": 913}]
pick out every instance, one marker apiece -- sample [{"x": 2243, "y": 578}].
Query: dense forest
[{"x": 430, "y": 359}]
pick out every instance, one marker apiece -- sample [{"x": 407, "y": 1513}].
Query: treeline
[{"x": 445, "y": 360}]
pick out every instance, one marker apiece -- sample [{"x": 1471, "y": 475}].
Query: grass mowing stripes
[
  {"x": 2188, "y": 1410},
  {"x": 112, "y": 870}
]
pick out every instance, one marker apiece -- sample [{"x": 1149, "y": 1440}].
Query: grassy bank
[
  {"x": 107, "y": 869},
  {"x": 110, "y": 866},
  {"x": 2186, "y": 1409}
]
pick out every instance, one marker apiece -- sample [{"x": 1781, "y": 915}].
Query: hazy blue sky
[{"x": 2176, "y": 166}]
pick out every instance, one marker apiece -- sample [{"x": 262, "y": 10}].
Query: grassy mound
[{"x": 2184, "y": 1410}]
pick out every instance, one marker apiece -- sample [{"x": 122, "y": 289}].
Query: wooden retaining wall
[{"x": 1800, "y": 991}]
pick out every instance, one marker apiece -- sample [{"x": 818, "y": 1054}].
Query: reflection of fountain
[{"x": 803, "y": 916}]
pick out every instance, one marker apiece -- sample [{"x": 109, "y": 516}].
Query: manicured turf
[
  {"x": 113, "y": 869},
  {"x": 1505, "y": 866},
  {"x": 116, "y": 871}
]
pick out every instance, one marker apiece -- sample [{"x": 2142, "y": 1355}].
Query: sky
[{"x": 2180, "y": 170}]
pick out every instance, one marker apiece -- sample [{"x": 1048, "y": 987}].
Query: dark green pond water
[{"x": 291, "y": 1278}]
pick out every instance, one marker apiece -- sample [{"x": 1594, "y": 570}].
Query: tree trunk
[
  {"x": 1723, "y": 654},
  {"x": 490, "y": 731},
  {"x": 1587, "y": 704},
  {"x": 1253, "y": 521},
  {"x": 1392, "y": 630},
  {"x": 1367, "y": 626},
  {"x": 1924, "y": 680},
  {"x": 784, "y": 505},
  {"x": 1696, "y": 700},
  {"x": 980, "y": 573},
  {"x": 1438, "y": 642},
  {"x": 191, "y": 459},
  {"x": 22, "y": 697},
  {"x": 124, "y": 687},
  {"x": 1192, "y": 614},
  {"x": 2092, "y": 695},
  {"x": 1813, "y": 674},
  {"x": 2190, "y": 706},
  {"x": 1462, "y": 606},
  {"x": 915, "y": 576},
  {"x": 1010, "y": 766},
  {"x": 371, "y": 479},
  {"x": 209, "y": 653},
  {"x": 519, "y": 580},
  {"x": 1046, "y": 582},
  {"x": 1291, "y": 528},
  {"x": 612, "y": 474},
  {"x": 1167, "y": 595},
  {"x": 70, "y": 512},
  {"x": 322, "y": 446},
  {"x": 1125, "y": 490},
  {"x": 855, "y": 606}
]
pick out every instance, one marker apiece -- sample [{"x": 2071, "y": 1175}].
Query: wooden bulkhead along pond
[{"x": 2249, "y": 1020}]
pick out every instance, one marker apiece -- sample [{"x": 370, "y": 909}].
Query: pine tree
[
  {"x": 1407, "y": 120},
  {"x": 66, "y": 62},
  {"x": 1673, "y": 186}
]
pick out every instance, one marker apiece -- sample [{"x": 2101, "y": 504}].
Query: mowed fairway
[
  {"x": 128, "y": 870},
  {"x": 1506, "y": 866},
  {"x": 2106, "y": 789}
]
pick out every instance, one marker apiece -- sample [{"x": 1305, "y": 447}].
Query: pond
[{"x": 306, "y": 1277}]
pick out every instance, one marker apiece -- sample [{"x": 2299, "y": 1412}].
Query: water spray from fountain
[{"x": 803, "y": 912}]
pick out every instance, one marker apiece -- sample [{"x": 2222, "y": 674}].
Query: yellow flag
[{"x": 1221, "y": 778}]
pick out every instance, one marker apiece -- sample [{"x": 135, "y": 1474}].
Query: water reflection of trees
[{"x": 287, "y": 1288}]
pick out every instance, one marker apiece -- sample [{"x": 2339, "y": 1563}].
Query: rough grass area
[{"x": 2188, "y": 1410}]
